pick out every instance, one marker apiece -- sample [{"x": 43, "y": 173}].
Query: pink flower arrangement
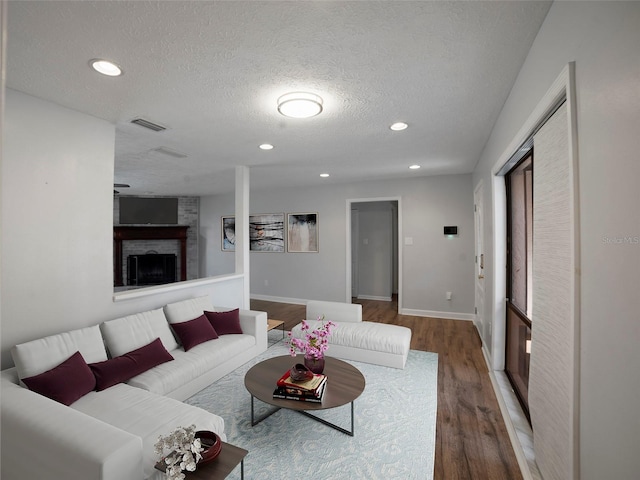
[{"x": 315, "y": 342}]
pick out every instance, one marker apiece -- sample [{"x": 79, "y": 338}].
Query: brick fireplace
[
  {"x": 151, "y": 232},
  {"x": 188, "y": 218}
]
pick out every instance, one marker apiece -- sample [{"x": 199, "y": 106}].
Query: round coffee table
[{"x": 345, "y": 383}]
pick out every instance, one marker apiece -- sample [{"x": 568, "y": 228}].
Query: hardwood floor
[{"x": 471, "y": 437}]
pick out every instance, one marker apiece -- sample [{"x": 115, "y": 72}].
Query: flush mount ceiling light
[
  {"x": 105, "y": 67},
  {"x": 265, "y": 146},
  {"x": 414, "y": 167},
  {"x": 300, "y": 105},
  {"x": 396, "y": 127},
  {"x": 324, "y": 175}
]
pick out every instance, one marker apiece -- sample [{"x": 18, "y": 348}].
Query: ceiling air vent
[
  {"x": 147, "y": 124},
  {"x": 168, "y": 151}
]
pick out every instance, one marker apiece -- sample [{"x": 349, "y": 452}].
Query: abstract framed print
[
  {"x": 229, "y": 233},
  {"x": 266, "y": 232},
  {"x": 302, "y": 232}
]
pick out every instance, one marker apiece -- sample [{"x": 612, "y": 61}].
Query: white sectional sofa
[
  {"x": 110, "y": 434},
  {"x": 353, "y": 339}
]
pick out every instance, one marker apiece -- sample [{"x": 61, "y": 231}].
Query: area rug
[{"x": 394, "y": 431}]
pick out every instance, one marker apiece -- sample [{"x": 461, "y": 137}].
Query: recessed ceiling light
[
  {"x": 266, "y": 146},
  {"x": 398, "y": 126},
  {"x": 105, "y": 67},
  {"x": 414, "y": 167},
  {"x": 300, "y": 105},
  {"x": 324, "y": 175}
]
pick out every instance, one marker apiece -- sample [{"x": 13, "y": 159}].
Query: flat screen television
[{"x": 148, "y": 211}]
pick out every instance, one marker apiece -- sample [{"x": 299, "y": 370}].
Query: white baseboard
[
  {"x": 374, "y": 297},
  {"x": 435, "y": 314}
]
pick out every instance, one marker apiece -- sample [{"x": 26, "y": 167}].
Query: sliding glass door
[{"x": 519, "y": 183}]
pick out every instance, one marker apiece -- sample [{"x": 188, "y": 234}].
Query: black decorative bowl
[{"x": 211, "y": 443}]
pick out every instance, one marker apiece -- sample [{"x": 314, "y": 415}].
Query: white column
[{"x": 242, "y": 231}]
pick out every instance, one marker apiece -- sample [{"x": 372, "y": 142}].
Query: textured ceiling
[{"x": 211, "y": 73}]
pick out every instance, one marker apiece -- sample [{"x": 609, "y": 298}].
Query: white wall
[
  {"x": 57, "y": 235},
  {"x": 213, "y": 261},
  {"x": 433, "y": 265},
  {"x": 603, "y": 38}
]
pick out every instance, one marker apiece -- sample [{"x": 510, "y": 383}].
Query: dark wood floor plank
[{"x": 471, "y": 438}]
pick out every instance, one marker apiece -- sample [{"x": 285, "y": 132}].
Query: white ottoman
[{"x": 369, "y": 342}]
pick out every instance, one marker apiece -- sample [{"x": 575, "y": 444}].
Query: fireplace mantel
[{"x": 148, "y": 232}]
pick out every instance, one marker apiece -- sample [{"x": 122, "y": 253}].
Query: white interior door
[{"x": 479, "y": 270}]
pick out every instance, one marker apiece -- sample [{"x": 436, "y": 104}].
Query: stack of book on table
[{"x": 310, "y": 390}]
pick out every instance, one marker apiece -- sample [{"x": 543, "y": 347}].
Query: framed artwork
[
  {"x": 266, "y": 232},
  {"x": 229, "y": 233},
  {"x": 302, "y": 232}
]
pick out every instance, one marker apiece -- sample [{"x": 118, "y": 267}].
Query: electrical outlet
[{"x": 449, "y": 295}]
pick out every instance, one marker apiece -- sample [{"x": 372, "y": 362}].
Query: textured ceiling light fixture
[{"x": 300, "y": 105}]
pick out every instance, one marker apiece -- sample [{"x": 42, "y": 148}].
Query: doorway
[
  {"x": 478, "y": 202},
  {"x": 373, "y": 249},
  {"x": 555, "y": 349}
]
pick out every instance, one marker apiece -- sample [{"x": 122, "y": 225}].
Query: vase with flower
[{"x": 314, "y": 344}]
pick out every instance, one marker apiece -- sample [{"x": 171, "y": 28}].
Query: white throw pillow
[
  {"x": 186, "y": 310},
  {"x": 125, "y": 334},
  {"x": 38, "y": 356}
]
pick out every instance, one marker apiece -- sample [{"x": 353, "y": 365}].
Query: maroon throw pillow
[
  {"x": 122, "y": 368},
  {"x": 66, "y": 383},
  {"x": 113, "y": 371},
  {"x": 194, "y": 332},
  {"x": 225, "y": 322}
]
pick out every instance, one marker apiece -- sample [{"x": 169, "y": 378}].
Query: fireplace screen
[{"x": 151, "y": 269}]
